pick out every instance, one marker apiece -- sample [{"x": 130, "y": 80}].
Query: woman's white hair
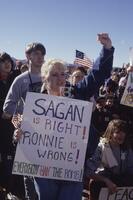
[{"x": 47, "y": 66}]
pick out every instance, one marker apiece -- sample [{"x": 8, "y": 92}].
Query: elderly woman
[
  {"x": 53, "y": 73},
  {"x": 54, "y": 83}
]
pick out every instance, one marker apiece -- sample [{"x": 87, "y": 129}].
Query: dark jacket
[{"x": 90, "y": 85}]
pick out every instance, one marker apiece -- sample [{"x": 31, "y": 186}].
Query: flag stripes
[{"x": 82, "y": 59}]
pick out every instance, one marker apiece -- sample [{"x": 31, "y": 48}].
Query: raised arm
[{"x": 101, "y": 70}]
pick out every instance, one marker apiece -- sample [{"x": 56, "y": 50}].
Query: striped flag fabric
[{"x": 82, "y": 60}]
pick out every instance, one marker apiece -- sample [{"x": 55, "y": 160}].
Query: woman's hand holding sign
[{"x": 16, "y": 121}]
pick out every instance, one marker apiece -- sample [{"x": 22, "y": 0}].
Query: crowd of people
[{"x": 109, "y": 154}]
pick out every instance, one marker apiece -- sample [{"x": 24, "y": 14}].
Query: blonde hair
[
  {"x": 50, "y": 64},
  {"x": 47, "y": 67}
]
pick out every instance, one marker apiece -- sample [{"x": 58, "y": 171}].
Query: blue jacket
[
  {"x": 101, "y": 161},
  {"x": 96, "y": 77},
  {"x": 90, "y": 85}
]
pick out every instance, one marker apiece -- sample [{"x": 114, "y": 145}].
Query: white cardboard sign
[
  {"x": 55, "y": 136},
  {"x": 127, "y": 98},
  {"x": 123, "y": 193}
]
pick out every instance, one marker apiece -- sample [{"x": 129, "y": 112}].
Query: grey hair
[{"x": 47, "y": 67}]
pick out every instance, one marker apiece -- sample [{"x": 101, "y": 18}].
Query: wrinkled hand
[
  {"x": 17, "y": 134},
  {"x": 16, "y": 120},
  {"x": 112, "y": 187},
  {"x": 105, "y": 40}
]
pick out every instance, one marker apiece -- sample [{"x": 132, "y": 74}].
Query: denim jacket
[{"x": 116, "y": 161}]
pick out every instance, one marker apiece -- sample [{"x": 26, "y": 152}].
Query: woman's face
[
  {"x": 118, "y": 137},
  {"x": 6, "y": 66},
  {"x": 77, "y": 76},
  {"x": 56, "y": 78},
  {"x": 109, "y": 102},
  {"x": 115, "y": 78}
]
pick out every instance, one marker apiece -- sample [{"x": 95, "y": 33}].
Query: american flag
[{"x": 82, "y": 59}]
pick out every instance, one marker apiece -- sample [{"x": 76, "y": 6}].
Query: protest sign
[
  {"x": 131, "y": 56},
  {"x": 55, "y": 136},
  {"x": 123, "y": 193},
  {"x": 127, "y": 98}
]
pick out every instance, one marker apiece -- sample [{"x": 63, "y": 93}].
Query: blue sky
[{"x": 65, "y": 25}]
